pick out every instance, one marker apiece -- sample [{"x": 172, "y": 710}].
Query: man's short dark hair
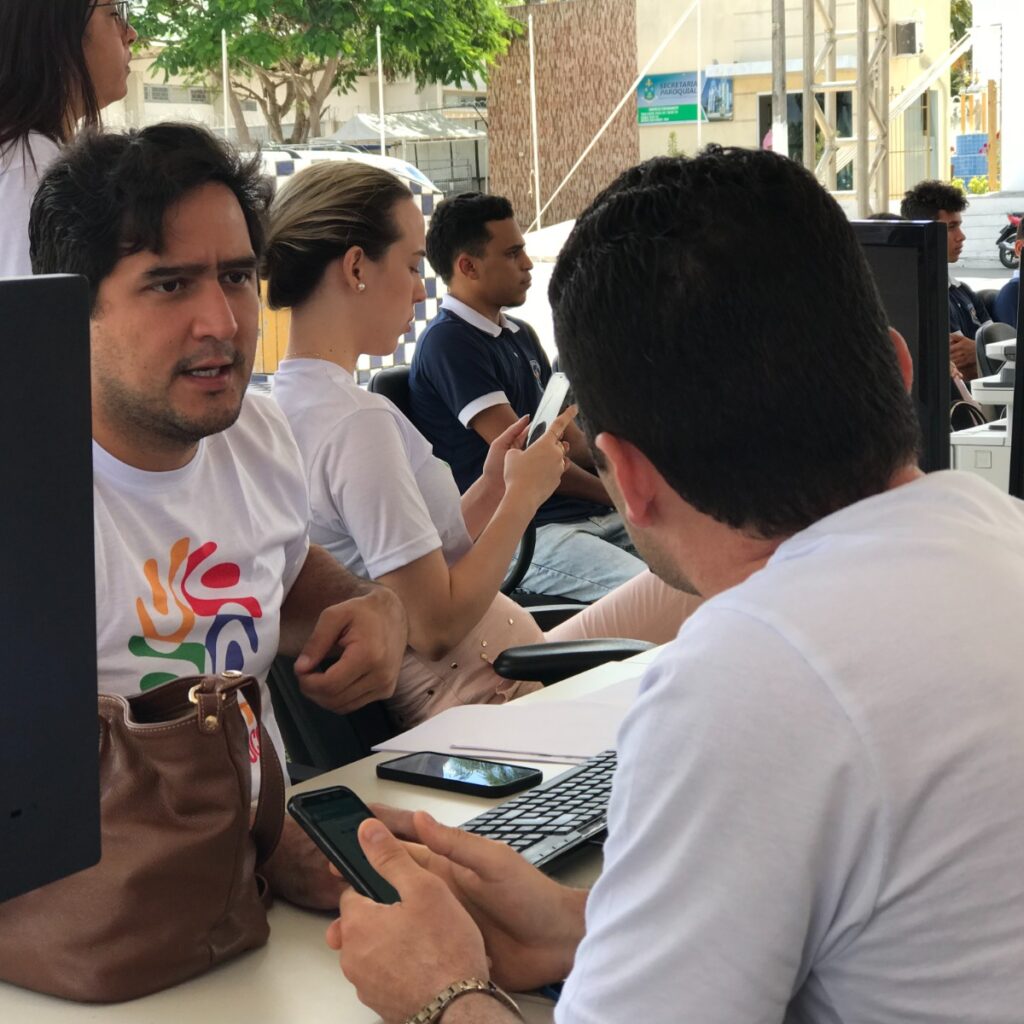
[
  {"x": 764, "y": 405},
  {"x": 927, "y": 199},
  {"x": 106, "y": 196},
  {"x": 458, "y": 225}
]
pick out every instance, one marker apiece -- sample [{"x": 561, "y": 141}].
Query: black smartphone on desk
[
  {"x": 331, "y": 818},
  {"x": 460, "y": 774}
]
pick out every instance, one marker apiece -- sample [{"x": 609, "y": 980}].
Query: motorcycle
[{"x": 1006, "y": 241}]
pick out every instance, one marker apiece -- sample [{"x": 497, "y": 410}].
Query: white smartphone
[{"x": 554, "y": 400}]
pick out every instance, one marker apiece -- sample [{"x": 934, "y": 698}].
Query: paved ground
[{"x": 979, "y": 277}]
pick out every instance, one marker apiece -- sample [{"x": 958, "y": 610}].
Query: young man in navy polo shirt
[
  {"x": 935, "y": 200},
  {"x": 476, "y": 371}
]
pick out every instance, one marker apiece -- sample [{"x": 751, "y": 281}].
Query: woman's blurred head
[
  {"x": 107, "y": 46},
  {"x": 61, "y": 61},
  {"x": 349, "y": 234}
]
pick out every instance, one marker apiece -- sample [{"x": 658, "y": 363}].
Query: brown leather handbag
[{"x": 176, "y": 889}]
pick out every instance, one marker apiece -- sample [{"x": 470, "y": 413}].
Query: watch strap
[{"x": 431, "y": 1013}]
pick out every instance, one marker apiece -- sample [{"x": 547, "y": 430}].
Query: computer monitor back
[{"x": 49, "y": 784}]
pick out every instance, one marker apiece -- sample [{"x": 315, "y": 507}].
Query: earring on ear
[{"x": 361, "y": 287}]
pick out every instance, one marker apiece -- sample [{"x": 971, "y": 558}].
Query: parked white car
[{"x": 281, "y": 163}]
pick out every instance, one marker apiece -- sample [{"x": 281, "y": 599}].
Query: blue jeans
[{"x": 583, "y": 559}]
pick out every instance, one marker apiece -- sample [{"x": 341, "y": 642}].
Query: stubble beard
[
  {"x": 159, "y": 426},
  {"x": 659, "y": 562}
]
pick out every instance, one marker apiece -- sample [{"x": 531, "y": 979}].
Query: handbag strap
[
  {"x": 269, "y": 819},
  {"x": 209, "y": 695}
]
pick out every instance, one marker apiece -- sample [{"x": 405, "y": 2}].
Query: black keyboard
[{"x": 555, "y": 817}]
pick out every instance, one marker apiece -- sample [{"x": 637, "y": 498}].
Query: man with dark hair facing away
[
  {"x": 1005, "y": 310},
  {"x": 476, "y": 371},
  {"x": 816, "y": 815},
  {"x": 203, "y": 561},
  {"x": 935, "y": 200}
]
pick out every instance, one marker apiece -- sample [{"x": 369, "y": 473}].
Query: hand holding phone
[
  {"x": 331, "y": 818},
  {"x": 552, "y": 402}
]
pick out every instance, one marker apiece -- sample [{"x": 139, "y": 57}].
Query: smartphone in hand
[
  {"x": 331, "y": 818},
  {"x": 554, "y": 400}
]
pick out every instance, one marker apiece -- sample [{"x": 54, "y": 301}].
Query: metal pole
[
  {"x": 380, "y": 94},
  {"x": 831, "y": 102},
  {"x": 224, "y": 75},
  {"x": 700, "y": 67},
  {"x": 780, "y": 120},
  {"x": 533, "y": 123},
  {"x": 862, "y": 115},
  {"x": 809, "y": 156},
  {"x": 882, "y": 105}
]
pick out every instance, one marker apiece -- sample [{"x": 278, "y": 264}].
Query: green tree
[
  {"x": 961, "y": 18},
  {"x": 288, "y": 55}
]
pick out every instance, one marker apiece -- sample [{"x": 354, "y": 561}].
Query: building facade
[{"x": 590, "y": 52}]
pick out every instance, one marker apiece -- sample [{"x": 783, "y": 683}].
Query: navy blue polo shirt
[
  {"x": 458, "y": 370},
  {"x": 966, "y": 311}
]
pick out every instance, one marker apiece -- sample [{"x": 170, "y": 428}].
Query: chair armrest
[
  {"x": 521, "y": 562},
  {"x": 550, "y": 663}
]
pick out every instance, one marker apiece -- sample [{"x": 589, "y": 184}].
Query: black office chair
[
  {"x": 316, "y": 739},
  {"x": 393, "y": 383},
  {"x": 988, "y": 333},
  {"x": 987, "y": 297}
]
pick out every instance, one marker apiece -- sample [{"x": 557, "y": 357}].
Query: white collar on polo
[{"x": 471, "y": 316}]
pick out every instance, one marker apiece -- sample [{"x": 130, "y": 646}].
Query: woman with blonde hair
[{"x": 344, "y": 250}]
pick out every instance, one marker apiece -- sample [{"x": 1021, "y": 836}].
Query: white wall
[
  {"x": 739, "y": 32},
  {"x": 997, "y": 57}
]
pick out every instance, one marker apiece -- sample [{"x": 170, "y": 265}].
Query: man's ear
[
  {"x": 631, "y": 478},
  {"x": 1018, "y": 246},
  {"x": 466, "y": 266},
  {"x": 903, "y": 358}
]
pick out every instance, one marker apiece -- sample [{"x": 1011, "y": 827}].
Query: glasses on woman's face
[{"x": 122, "y": 11}]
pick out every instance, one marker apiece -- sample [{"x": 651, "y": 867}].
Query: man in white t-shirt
[
  {"x": 817, "y": 815},
  {"x": 203, "y": 562}
]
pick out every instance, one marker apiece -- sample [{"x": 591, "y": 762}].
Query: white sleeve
[
  {"x": 363, "y": 471},
  {"x": 20, "y": 172},
  {"x": 285, "y": 482},
  {"x": 744, "y": 837}
]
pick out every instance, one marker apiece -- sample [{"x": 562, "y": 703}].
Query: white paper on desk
[
  {"x": 559, "y": 731},
  {"x": 621, "y": 694}
]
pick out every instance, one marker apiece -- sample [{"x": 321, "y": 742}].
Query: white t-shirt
[
  {"x": 18, "y": 180},
  {"x": 379, "y": 499},
  {"x": 819, "y": 811},
  {"x": 192, "y": 565}
]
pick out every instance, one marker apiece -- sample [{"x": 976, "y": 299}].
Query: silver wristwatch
[{"x": 431, "y": 1013}]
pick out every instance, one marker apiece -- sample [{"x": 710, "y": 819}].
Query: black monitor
[
  {"x": 908, "y": 260},
  {"x": 1017, "y": 419},
  {"x": 49, "y": 758}
]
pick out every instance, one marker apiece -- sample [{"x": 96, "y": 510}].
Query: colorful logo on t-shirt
[{"x": 186, "y": 593}]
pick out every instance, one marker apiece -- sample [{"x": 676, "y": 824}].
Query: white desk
[{"x": 296, "y": 977}]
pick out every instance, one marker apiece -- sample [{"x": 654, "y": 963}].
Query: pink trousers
[{"x": 642, "y": 609}]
